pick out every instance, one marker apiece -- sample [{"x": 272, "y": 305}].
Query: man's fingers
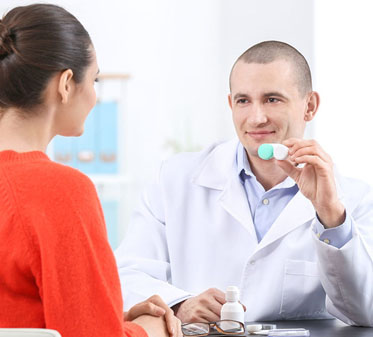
[
  {"x": 244, "y": 307},
  {"x": 220, "y": 299},
  {"x": 315, "y": 161},
  {"x": 295, "y": 143},
  {"x": 211, "y": 316},
  {"x": 214, "y": 307},
  {"x": 204, "y": 316},
  {"x": 291, "y": 170},
  {"x": 214, "y": 293},
  {"x": 301, "y": 147},
  {"x": 205, "y": 307},
  {"x": 312, "y": 151},
  {"x": 214, "y": 299}
]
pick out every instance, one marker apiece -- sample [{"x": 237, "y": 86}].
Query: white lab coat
[{"x": 193, "y": 230}]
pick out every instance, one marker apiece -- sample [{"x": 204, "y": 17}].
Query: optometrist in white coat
[{"x": 293, "y": 235}]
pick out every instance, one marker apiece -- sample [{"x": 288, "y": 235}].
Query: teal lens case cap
[{"x": 265, "y": 151}]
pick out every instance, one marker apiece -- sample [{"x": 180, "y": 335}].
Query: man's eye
[
  {"x": 242, "y": 101},
  {"x": 272, "y": 100}
]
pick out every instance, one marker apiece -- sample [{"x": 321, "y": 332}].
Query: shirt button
[
  {"x": 252, "y": 262},
  {"x": 265, "y": 201},
  {"x": 327, "y": 241}
]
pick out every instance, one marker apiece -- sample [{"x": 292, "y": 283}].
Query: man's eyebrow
[
  {"x": 240, "y": 95},
  {"x": 274, "y": 93},
  {"x": 266, "y": 95}
]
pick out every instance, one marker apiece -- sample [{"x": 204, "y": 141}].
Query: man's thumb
[{"x": 289, "y": 168}]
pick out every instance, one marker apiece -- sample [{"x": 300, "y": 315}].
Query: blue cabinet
[
  {"x": 95, "y": 153},
  {"x": 107, "y": 137},
  {"x": 111, "y": 212}
]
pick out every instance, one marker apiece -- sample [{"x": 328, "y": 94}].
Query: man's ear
[
  {"x": 313, "y": 103},
  {"x": 65, "y": 85},
  {"x": 230, "y": 100}
]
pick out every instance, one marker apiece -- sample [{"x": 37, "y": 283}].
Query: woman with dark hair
[{"x": 57, "y": 268}]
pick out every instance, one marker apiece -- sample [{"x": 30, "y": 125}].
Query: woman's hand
[{"x": 154, "y": 306}]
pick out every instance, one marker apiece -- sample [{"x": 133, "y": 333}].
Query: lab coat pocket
[{"x": 302, "y": 293}]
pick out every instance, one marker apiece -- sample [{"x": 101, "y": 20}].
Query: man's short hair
[{"x": 269, "y": 51}]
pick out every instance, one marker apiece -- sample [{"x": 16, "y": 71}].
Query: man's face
[{"x": 266, "y": 104}]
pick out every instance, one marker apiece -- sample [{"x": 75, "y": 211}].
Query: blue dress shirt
[{"x": 266, "y": 206}]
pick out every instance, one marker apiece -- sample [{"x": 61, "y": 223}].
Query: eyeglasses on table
[{"x": 225, "y": 327}]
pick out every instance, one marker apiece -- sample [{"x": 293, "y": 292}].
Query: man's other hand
[{"x": 205, "y": 307}]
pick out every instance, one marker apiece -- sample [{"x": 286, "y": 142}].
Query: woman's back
[
  {"x": 57, "y": 268},
  {"x": 60, "y": 270}
]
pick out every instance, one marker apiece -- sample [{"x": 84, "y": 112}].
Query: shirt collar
[
  {"x": 244, "y": 169},
  {"x": 243, "y": 165}
]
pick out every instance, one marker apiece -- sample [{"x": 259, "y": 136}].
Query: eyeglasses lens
[
  {"x": 230, "y": 326},
  {"x": 195, "y": 329}
]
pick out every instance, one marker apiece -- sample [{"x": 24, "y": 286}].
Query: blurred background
[{"x": 165, "y": 67}]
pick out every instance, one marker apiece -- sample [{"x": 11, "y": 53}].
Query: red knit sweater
[{"x": 57, "y": 269}]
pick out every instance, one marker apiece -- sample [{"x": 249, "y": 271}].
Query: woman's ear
[
  {"x": 65, "y": 85},
  {"x": 313, "y": 103}
]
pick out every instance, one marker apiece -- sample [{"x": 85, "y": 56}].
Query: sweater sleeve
[
  {"x": 132, "y": 329},
  {"x": 72, "y": 261}
]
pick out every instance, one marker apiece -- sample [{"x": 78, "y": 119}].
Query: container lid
[
  {"x": 265, "y": 151},
  {"x": 254, "y": 327},
  {"x": 280, "y": 152},
  {"x": 232, "y": 294},
  {"x": 288, "y": 332}
]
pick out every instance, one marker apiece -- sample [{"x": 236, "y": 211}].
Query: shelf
[{"x": 109, "y": 179}]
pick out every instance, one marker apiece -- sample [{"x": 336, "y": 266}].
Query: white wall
[
  {"x": 344, "y": 55},
  {"x": 244, "y": 23},
  {"x": 179, "y": 54}
]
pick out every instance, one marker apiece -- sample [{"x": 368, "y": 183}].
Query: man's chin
[{"x": 251, "y": 150}]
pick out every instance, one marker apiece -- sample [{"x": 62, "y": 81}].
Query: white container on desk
[{"x": 232, "y": 309}]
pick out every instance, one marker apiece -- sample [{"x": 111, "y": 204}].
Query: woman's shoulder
[
  {"x": 66, "y": 175},
  {"x": 51, "y": 199},
  {"x": 46, "y": 180},
  {"x": 35, "y": 171},
  {"x": 70, "y": 184},
  {"x": 61, "y": 194}
]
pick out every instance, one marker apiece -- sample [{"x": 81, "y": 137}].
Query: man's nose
[{"x": 257, "y": 115}]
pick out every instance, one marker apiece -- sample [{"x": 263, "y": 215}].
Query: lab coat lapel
[
  {"x": 296, "y": 213},
  {"x": 234, "y": 200},
  {"x": 219, "y": 172}
]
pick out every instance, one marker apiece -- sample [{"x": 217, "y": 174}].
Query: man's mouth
[{"x": 259, "y": 134}]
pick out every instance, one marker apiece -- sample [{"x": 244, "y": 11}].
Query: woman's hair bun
[
  {"x": 6, "y": 41},
  {"x": 37, "y": 42}
]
